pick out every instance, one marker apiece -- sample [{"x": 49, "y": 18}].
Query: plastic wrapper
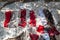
[{"x": 23, "y": 19}]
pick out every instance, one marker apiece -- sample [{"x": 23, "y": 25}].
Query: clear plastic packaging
[{"x": 25, "y": 18}]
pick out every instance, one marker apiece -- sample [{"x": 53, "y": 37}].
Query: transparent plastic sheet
[
  {"x": 18, "y": 30},
  {"x": 13, "y": 29},
  {"x": 10, "y": 31}
]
